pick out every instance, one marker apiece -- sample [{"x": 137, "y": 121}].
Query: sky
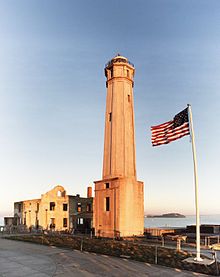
[{"x": 52, "y": 96}]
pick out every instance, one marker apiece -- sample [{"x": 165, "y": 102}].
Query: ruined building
[
  {"x": 56, "y": 210},
  {"x": 119, "y": 201}
]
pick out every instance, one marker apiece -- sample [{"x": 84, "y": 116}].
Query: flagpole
[{"x": 198, "y": 258}]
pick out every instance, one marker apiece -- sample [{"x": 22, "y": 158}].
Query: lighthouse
[{"x": 119, "y": 200}]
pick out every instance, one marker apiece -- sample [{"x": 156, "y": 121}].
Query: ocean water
[{"x": 172, "y": 222}]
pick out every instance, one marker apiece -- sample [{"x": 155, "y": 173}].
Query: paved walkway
[{"x": 22, "y": 259}]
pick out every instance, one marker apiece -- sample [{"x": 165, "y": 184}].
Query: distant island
[{"x": 169, "y": 215}]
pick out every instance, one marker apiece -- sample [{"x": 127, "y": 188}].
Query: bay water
[{"x": 180, "y": 222}]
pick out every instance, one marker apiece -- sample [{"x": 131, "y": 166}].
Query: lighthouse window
[
  {"x": 110, "y": 117},
  {"x": 111, "y": 72},
  {"x": 127, "y": 73},
  {"x": 107, "y": 204},
  {"x": 129, "y": 98}
]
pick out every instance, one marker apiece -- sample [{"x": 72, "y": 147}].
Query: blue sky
[{"x": 52, "y": 95}]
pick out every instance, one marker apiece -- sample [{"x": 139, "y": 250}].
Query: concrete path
[{"x": 22, "y": 259}]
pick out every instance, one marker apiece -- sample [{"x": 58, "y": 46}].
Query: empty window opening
[
  {"x": 65, "y": 207},
  {"x": 110, "y": 117},
  {"x": 129, "y": 98},
  {"x": 107, "y": 185},
  {"x": 128, "y": 75},
  {"x": 19, "y": 208},
  {"x": 88, "y": 208},
  {"x": 65, "y": 222},
  {"x": 80, "y": 221},
  {"x": 52, "y": 223},
  {"x": 59, "y": 193},
  {"x": 79, "y": 207},
  {"x": 107, "y": 204},
  {"x": 52, "y": 206}
]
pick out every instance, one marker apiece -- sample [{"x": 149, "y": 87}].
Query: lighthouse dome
[{"x": 118, "y": 56}]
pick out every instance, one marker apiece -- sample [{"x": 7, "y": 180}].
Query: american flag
[{"x": 171, "y": 130}]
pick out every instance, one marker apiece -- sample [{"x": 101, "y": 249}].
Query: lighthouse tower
[{"x": 119, "y": 202}]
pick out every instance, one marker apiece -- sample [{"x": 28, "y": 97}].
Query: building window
[
  {"x": 65, "y": 207},
  {"x": 79, "y": 207},
  {"x": 37, "y": 207},
  {"x": 128, "y": 73},
  {"x": 65, "y": 222},
  {"x": 107, "y": 185},
  {"x": 52, "y": 223},
  {"x": 110, "y": 117},
  {"x": 52, "y": 206},
  {"x": 107, "y": 204},
  {"x": 129, "y": 98},
  {"x": 19, "y": 207},
  {"x": 80, "y": 221},
  {"x": 88, "y": 208},
  {"x": 59, "y": 193}
]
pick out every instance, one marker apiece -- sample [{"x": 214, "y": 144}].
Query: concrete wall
[{"x": 126, "y": 214}]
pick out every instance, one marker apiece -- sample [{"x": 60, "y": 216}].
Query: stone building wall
[
  {"x": 52, "y": 214},
  {"x": 30, "y": 212}
]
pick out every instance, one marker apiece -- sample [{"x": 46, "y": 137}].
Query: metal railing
[{"x": 118, "y": 60}]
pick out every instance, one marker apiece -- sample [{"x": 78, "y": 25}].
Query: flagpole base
[
  {"x": 198, "y": 259},
  {"x": 205, "y": 261}
]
